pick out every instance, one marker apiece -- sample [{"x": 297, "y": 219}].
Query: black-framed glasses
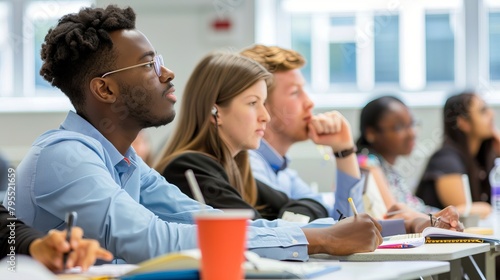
[{"x": 157, "y": 62}]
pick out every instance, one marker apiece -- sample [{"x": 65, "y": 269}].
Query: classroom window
[
  {"x": 386, "y": 48},
  {"x": 23, "y": 26},
  {"x": 342, "y": 51},
  {"x": 367, "y": 47},
  {"x": 39, "y": 17},
  {"x": 7, "y": 54},
  {"x": 494, "y": 45},
  {"x": 343, "y": 63},
  {"x": 357, "y": 48},
  {"x": 301, "y": 41},
  {"x": 40, "y": 27},
  {"x": 439, "y": 47}
]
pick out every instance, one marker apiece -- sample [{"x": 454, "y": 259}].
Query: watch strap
[{"x": 345, "y": 153}]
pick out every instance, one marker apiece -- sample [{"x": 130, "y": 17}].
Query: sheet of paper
[
  {"x": 112, "y": 270},
  {"x": 24, "y": 267}
]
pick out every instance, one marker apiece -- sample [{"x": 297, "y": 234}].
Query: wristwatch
[{"x": 345, "y": 153}]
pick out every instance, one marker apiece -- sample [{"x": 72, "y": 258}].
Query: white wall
[{"x": 180, "y": 32}]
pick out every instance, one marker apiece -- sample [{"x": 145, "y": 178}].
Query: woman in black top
[
  {"x": 223, "y": 117},
  {"x": 470, "y": 146}
]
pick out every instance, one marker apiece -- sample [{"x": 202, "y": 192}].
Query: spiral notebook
[{"x": 434, "y": 235}]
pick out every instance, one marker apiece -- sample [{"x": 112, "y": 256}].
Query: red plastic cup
[{"x": 222, "y": 242}]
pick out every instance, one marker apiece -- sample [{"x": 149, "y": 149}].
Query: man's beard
[{"x": 138, "y": 105}]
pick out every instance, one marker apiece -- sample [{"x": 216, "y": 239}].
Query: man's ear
[
  {"x": 104, "y": 90},
  {"x": 463, "y": 124}
]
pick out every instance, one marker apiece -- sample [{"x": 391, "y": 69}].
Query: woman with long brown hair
[{"x": 222, "y": 116}]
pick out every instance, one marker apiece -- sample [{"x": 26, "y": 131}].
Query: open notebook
[
  {"x": 434, "y": 235},
  {"x": 185, "y": 265}
]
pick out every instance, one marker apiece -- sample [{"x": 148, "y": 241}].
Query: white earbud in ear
[{"x": 214, "y": 111}]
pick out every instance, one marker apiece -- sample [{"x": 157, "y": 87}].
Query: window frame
[
  {"x": 25, "y": 96},
  {"x": 471, "y": 71}
]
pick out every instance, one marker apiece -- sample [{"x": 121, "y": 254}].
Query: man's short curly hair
[
  {"x": 79, "y": 48},
  {"x": 275, "y": 59}
]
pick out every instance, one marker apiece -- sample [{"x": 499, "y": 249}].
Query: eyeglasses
[
  {"x": 400, "y": 128},
  {"x": 157, "y": 63}
]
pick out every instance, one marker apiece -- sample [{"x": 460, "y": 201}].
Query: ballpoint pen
[
  {"x": 353, "y": 207},
  {"x": 396, "y": 246},
  {"x": 341, "y": 217},
  {"x": 70, "y": 223}
]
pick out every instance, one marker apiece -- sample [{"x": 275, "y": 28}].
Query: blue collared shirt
[
  {"x": 123, "y": 203},
  {"x": 269, "y": 167}
]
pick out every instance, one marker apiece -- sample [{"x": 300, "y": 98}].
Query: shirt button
[
  {"x": 295, "y": 254},
  {"x": 294, "y": 241}
]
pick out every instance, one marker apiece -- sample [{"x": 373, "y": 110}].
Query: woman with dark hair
[
  {"x": 387, "y": 130},
  {"x": 470, "y": 146}
]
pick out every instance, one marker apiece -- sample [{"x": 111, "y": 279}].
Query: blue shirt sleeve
[
  {"x": 136, "y": 215},
  {"x": 271, "y": 239},
  {"x": 286, "y": 181},
  {"x": 348, "y": 186},
  {"x": 262, "y": 171},
  {"x": 105, "y": 210}
]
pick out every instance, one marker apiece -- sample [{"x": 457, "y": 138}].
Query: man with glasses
[{"x": 118, "y": 86}]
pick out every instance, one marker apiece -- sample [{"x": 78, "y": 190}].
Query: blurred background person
[
  {"x": 470, "y": 146},
  {"x": 388, "y": 131}
]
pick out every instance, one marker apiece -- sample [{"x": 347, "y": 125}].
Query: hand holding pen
[
  {"x": 356, "y": 234},
  {"x": 448, "y": 218},
  {"x": 353, "y": 207},
  {"x": 50, "y": 250}
]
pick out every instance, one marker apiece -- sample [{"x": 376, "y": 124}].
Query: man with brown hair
[{"x": 292, "y": 121}]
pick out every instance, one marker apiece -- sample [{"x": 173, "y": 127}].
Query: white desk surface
[
  {"x": 27, "y": 268},
  {"x": 348, "y": 270},
  {"x": 426, "y": 252},
  {"x": 386, "y": 270}
]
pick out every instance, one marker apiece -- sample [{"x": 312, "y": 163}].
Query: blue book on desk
[
  {"x": 186, "y": 274},
  {"x": 193, "y": 274},
  {"x": 185, "y": 265}
]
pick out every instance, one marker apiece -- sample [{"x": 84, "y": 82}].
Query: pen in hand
[
  {"x": 341, "y": 217},
  {"x": 353, "y": 207},
  {"x": 70, "y": 223}
]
